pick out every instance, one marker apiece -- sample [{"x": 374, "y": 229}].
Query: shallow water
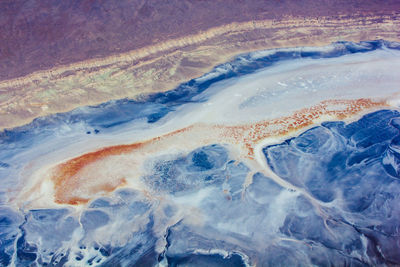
[{"x": 264, "y": 161}]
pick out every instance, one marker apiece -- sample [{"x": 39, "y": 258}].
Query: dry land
[{"x": 56, "y": 56}]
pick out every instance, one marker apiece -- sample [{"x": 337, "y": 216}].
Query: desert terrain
[{"x": 56, "y": 56}]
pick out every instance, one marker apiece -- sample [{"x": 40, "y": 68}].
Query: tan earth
[{"x": 34, "y": 84}]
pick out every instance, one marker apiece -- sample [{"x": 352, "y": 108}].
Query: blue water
[
  {"x": 354, "y": 166},
  {"x": 153, "y": 107},
  {"x": 348, "y": 216},
  {"x": 351, "y": 219}
]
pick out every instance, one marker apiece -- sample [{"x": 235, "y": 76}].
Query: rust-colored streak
[
  {"x": 67, "y": 181},
  {"x": 68, "y": 178},
  {"x": 249, "y": 135},
  {"x": 73, "y": 166}
]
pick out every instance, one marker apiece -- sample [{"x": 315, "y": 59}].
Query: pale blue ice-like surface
[{"x": 203, "y": 214}]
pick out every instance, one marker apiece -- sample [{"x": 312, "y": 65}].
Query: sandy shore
[{"x": 163, "y": 65}]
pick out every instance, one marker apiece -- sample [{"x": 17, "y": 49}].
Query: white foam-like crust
[{"x": 270, "y": 93}]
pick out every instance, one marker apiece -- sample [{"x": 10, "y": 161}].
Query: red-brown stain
[{"x": 66, "y": 177}]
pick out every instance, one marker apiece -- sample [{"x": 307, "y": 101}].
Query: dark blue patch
[
  {"x": 4, "y": 165},
  {"x": 378, "y": 123},
  {"x": 158, "y": 115},
  {"x": 200, "y": 159},
  {"x": 201, "y": 167},
  {"x": 212, "y": 260},
  {"x": 10, "y": 222},
  {"x": 26, "y": 253},
  {"x": 367, "y": 155},
  {"x": 206, "y": 158},
  {"x": 359, "y": 168},
  {"x": 352, "y": 149}
]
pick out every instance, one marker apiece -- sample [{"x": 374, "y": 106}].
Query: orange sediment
[
  {"x": 67, "y": 178},
  {"x": 249, "y": 135}
]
